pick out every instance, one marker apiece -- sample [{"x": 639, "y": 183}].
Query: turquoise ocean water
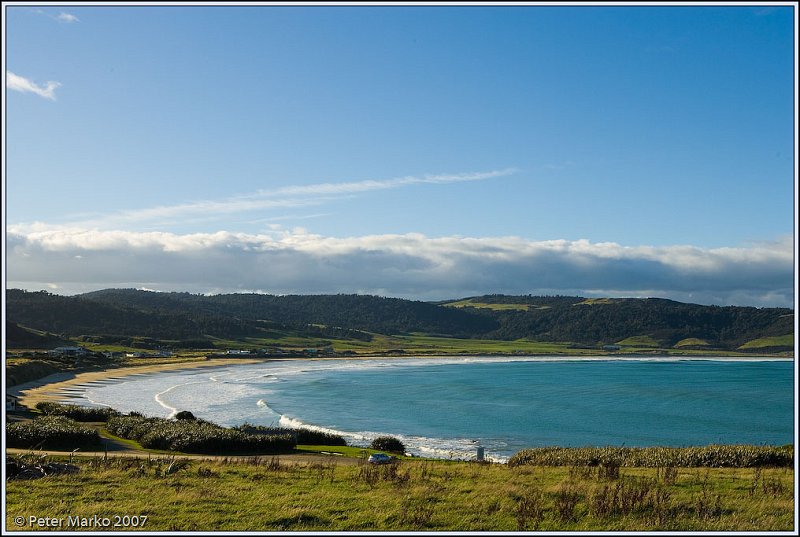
[{"x": 447, "y": 407}]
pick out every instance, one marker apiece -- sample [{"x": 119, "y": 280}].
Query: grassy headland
[
  {"x": 334, "y": 488},
  {"x": 722, "y": 488},
  {"x": 270, "y": 494}
]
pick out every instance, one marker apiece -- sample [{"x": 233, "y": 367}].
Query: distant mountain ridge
[{"x": 180, "y": 316}]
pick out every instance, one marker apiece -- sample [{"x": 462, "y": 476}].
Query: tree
[{"x": 388, "y": 443}]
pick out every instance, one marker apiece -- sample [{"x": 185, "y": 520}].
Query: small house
[{"x": 67, "y": 351}]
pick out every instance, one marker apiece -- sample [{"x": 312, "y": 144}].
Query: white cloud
[
  {"x": 409, "y": 265},
  {"x": 284, "y": 197},
  {"x": 19, "y": 83},
  {"x": 66, "y": 17},
  {"x": 384, "y": 184}
]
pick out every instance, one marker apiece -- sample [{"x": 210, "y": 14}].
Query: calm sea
[{"x": 447, "y": 407}]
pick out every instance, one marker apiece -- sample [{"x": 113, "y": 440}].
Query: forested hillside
[
  {"x": 354, "y": 312},
  {"x": 180, "y": 316},
  {"x": 611, "y": 320}
]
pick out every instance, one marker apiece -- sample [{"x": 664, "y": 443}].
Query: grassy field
[
  {"x": 269, "y": 494},
  {"x": 424, "y": 344},
  {"x": 469, "y": 303},
  {"x": 777, "y": 341},
  {"x": 639, "y": 341},
  {"x": 691, "y": 342},
  {"x": 428, "y": 344},
  {"x": 413, "y": 344},
  {"x": 593, "y": 301}
]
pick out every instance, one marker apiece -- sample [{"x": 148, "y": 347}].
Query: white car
[{"x": 379, "y": 458}]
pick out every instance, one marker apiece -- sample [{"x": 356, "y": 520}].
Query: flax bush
[
  {"x": 196, "y": 436},
  {"x": 303, "y": 436},
  {"x": 76, "y": 412},
  {"x": 51, "y": 432}
]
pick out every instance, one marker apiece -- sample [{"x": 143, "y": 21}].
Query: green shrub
[
  {"x": 196, "y": 436},
  {"x": 303, "y": 436},
  {"x": 388, "y": 443},
  {"x": 76, "y": 412},
  {"x": 714, "y": 456},
  {"x": 132, "y": 426},
  {"x": 312, "y": 437},
  {"x": 51, "y": 432}
]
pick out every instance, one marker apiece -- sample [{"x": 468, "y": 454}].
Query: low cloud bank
[{"x": 410, "y": 265}]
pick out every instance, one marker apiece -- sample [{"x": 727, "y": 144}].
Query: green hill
[
  {"x": 635, "y": 323},
  {"x": 19, "y": 337}
]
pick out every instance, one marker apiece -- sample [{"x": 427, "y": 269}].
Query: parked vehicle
[{"x": 379, "y": 458}]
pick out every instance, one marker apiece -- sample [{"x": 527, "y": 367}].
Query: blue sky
[{"x": 425, "y": 152}]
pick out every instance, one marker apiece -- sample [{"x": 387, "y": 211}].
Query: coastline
[
  {"x": 50, "y": 388},
  {"x": 64, "y": 387}
]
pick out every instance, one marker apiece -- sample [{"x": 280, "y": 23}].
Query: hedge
[
  {"x": 196, "y": 436},
  {"x": 51, "y": 432},
  {"x": 76, "y": 412}
]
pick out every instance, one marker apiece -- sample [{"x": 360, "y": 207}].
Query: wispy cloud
[
  {"x": 63, "y": 17},
  {"x": 283, "y": 197},
  {"x": 385, "y": 184},
  {"x": 408, "y": 265},
  {"x": 67, "y": 17},
  {"x": 20, "y": 83}
]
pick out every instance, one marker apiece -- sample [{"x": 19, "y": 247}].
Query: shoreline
[
  {"x": 51, "y": 387},
  {"x": 66, "y": 387}
]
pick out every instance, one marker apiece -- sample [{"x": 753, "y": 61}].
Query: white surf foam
[{"x": 420, "y": 446}]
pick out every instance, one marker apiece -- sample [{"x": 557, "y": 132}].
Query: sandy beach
[
  {"x": 52, "y": 387},
  {"x": 55, "y": 387}
]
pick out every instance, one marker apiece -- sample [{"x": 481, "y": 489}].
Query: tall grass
[{"x": 264, "y": 494}]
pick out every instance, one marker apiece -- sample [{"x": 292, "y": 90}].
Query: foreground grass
[{"x": 267, "y": 494}]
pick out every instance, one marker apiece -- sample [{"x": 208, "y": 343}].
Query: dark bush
[
  {"x": 185, "y": 415},
  {"x": 303, "y": 436},
  {"x": 51, "y": 432},
  {"x": 197, "y": 436},
  {"x": 388, "y": 443},
  {"x": 319, "y": 438},
  {"x": 76, "y": 412},
  {"x": 132, "y": 426}
]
